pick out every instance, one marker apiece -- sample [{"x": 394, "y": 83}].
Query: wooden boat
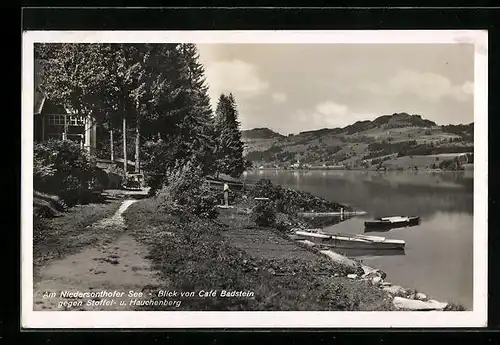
[
  {"x": 331, "y": 214},
  {"x": 392, "y": 222},
  {"x": 350, "y": 241}
]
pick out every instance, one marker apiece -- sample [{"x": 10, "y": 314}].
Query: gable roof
[{"x": 39, "y": 97}]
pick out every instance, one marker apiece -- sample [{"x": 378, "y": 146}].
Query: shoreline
[
  {"x": 404, "y": 298},
  {"x": 359, "y": 169},
  {"x": 189, "y": 252}
]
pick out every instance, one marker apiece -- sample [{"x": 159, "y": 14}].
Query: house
[{"x": 51, "y": 120}]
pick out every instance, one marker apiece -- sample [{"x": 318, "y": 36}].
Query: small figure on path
[{"x": 226, "y": 194}]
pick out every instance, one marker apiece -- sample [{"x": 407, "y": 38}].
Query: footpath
[{"x": 117, "y": 264}]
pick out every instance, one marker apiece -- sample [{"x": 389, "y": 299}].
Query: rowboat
[
  {"x": 350, "y": 241},
  {"x": 392, "y": 222}
]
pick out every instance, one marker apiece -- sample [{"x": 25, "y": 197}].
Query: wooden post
[
  {"x": 93, "y": 136},
  {"x": 43, "y": 126},
  {"x": 111, "y": 145},
  {"x": 65, "y": 130},
  {"x": 87, "y": 133},
  {"x": 137, "y": 145},
  {"x": 124, "y": 145}
]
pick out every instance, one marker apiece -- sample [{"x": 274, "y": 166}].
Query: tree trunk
[
  {"x": 111, "y": 143},
  {"x": 125, "y": 144},
  {"x": 137, "y": 143}
]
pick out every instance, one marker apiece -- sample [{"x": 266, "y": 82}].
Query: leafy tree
[
  {"x": 76, "y": 75},
  {"x": 229, "y": 148}
]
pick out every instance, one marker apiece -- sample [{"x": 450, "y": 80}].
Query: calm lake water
[{"x": 438, "y": 255}]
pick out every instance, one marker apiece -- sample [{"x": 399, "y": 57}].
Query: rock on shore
[
  {"x": 415, "y": 304},
  {"x": 403, "y": 299}
]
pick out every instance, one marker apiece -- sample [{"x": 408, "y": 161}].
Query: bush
[
  {"x": 293, "y": 201},
  {"x": 185, "y": 190},
  {"x": 264, "y": 214},
  {"x": 264, "y": 188},
  {"x": 40, "y": 227},
  {"x": 157, "y": 156},
  {"x": 62, "y": 168}
]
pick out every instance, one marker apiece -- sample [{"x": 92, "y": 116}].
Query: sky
[{"x": 297, "y": 87}]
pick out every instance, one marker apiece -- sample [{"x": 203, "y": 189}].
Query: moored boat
[
  {"x": 351, "y": 241},
  {"x": 392, "y": 222}
]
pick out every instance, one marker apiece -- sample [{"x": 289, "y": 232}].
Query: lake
[{"x": 438, "y": 259}]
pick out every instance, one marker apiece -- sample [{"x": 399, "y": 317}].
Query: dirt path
[{"x": 119, "y": 265}]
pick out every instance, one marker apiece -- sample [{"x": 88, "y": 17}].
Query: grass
[
  {"x": 194, "y": 254},
  {"x": 57, "y": 237}
]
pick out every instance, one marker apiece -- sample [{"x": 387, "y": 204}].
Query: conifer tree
[{"x": 229, "y": 148}]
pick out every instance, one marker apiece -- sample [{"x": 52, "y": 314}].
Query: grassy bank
[
  {"x": 55, "y": 238},
  {"x": 195, "y": 254}
]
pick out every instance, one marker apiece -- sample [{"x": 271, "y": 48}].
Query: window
[
  {"x": 76, "y": 121},
  {"x": 58, "y": 120}
]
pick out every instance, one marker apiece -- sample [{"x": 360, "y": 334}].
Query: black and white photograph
[{"x": 315, "y": 179}]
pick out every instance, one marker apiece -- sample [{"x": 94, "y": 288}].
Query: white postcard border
[{"x": 254, "y": 319}]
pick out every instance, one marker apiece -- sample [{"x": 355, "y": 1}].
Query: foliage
[
  {"x": 264, "y": 188},
  {"x": 466, "y": 132},
  {"x": 158, "y": 88},
  {"x": 186, "y": 191},
  {"x": 264, "y": 214},
  {"x": 292, "y": 201},
  {"x": 194, "y": 254},
  {"x": 450, "y": 164},
  {"x": 158, "y": 157},
  {"x": 229, "y": 147},
  {"x": 62, "y": 168}
]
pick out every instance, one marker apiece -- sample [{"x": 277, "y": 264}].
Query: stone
[
  {"x": 420, "y": 296},
  {"x": 308, "y": 243},
  {"x": 341, "y": 260},
  {"x": 384, "y": 284},
  {"x": 412, "y": 304},
  {"x": 372, "y": 272},
  {"x": 376, "y": 281},
  {"x": 395, "y": 290},
  {"x": 352, "y": 276},
  {"x": 412, "y": 296}
]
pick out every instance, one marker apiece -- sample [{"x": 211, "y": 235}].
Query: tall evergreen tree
[
  {"x": 229, "y": 148},
  {"x": 203, "y": 130}
]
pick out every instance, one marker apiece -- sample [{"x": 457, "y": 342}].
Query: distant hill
[
  {"x": 361, "y": 144},
  {"x": 260, "y": 133}
]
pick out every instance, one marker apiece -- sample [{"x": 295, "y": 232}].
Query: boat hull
[
  {"x": 380, "y": 224},
  {"x": 354, "y": 242},
  {"x": 346, "y": 244}
]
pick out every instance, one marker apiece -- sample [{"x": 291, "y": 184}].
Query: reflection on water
[
  {"x": 370, "y": 252},
  {"x": 438, "y": 254},
  {"x": 389, "y": 228}
]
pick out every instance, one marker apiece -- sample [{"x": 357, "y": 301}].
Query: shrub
[
  {"x": 264, "y": 214},
  {"x": 61, "y": 167},
  {"x": 157, "y": 157},
  {"x": 40, "y": 227},
  {"x": 185, "y": 190},
  {"x": 264, "y": 188},
  {"x": 293, "y": 201}
]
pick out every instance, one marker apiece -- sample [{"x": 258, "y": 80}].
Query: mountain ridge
[{"x": 384, "y": 138}]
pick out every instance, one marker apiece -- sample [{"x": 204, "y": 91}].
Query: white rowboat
[{"x": 351, "y": 241}]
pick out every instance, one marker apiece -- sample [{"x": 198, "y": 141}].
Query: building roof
[
  {"x": 38, "y": 102},
  {"x": 39, "y": 97}
]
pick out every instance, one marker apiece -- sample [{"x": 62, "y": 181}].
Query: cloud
[
  {"x": 236, "y": 76},
  {"x": 427, "y": 86},
  {"x": 329, "y": 114},
  {"x": 331, "y": 108},
  {"x": 279, "y": 97}
]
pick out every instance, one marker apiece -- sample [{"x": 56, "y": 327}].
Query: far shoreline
[{"x": 360, "y": 169}]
